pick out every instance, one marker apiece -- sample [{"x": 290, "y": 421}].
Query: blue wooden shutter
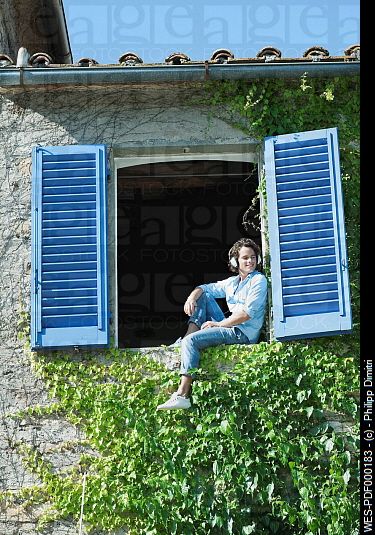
[
  {"x": 309, "y": 269},
  {"x": 69, "y": 295}
]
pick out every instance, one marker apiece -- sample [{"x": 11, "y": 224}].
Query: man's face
[{"x": 247, "y": 260}]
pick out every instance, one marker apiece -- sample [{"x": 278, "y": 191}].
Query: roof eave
[{"x": 97, "y": 75}]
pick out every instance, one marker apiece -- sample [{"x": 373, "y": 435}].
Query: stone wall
[
  {"x": 21, "y": 389},
  {"x": 59, "y": 442}
]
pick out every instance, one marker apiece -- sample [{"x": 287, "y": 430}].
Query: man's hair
[{"x": 234, "y": 251}]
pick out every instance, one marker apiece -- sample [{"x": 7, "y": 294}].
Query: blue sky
[{"x": 104, "y": 30}]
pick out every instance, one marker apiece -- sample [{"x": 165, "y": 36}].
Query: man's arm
[
  {"x": 256, "y": 299},
  {"x": 216, "y": 289}
]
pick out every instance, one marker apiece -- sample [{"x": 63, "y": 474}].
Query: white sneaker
[
  {"x": 175, "y": 402},
  {"x": 177, "y": 343}
]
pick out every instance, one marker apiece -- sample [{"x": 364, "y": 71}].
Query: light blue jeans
[{"x": 207, "y": 309}]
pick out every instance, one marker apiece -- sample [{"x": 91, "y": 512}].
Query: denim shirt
[{"x": 249, "y": 295}]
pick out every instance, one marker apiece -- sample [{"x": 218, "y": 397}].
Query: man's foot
[
  {"x": 175, "y": 402},
  {"x": 177, "y": 343}
]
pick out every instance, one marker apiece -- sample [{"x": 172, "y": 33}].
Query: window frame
[{"x": 119, "y": 158}]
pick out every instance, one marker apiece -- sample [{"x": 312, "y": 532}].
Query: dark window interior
[{"x": 176, "y": 223}]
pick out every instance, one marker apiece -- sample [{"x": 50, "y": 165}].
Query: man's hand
[
  {"x": 189, "y": 306},
  {"x": 191, "y": 301},
  {"x": 209, "y": 324}
]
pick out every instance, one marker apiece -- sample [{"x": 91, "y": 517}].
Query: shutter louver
[
  {"x": 69, "y": 250},
  {"x": 310, "y": 284}
]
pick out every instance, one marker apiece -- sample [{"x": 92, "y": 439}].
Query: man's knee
[
  {"x": 201, "y": 300},
  {"x": 185, "y": 342},
  {"x": 189, "y": 339}
]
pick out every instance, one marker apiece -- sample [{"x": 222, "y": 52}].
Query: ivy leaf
[
  {"x": 270, "y": 489},
  {"x": 347, "y": 477},
  {"x": 348, "y": 456},
  {"x": 217, "y": 521},
  {"x": 215, "y": 468},
  {"x": 224, "y": 426},
  {"x": 255, "y": 483},
  {"x": 309, "y": 411},
  {"x": 329, "y": 445},
  {"x": 321, "y": 428},
  {"x": 185, "y": 488},
  {"x": 247, "y": 530},
  {"x": 299, "y": 379}
]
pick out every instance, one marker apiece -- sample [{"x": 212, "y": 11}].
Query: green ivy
[{"x": 257, "y": 453}]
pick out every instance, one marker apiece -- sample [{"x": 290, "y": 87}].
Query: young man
[{"x": 246, "y": 296}]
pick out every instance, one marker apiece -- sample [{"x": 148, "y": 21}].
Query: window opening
[{"x": 176, "y": 222}]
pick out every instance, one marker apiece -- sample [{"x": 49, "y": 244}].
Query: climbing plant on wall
[
  {"x": 256, "y": 454},
  {"x": 271, "y": 107},
  {"x": 262, "y": 451}
]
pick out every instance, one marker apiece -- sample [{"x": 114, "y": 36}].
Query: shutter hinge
[
  {"x": 37, "y": 282},
  {"x": 108, "y": 166},
  {"x": 344, "y": 264}
]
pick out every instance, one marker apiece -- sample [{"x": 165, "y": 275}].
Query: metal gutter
[{"x": 27, "y": 76}]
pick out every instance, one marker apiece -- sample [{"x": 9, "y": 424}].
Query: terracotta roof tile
[{"x": 221, "y": 55}]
